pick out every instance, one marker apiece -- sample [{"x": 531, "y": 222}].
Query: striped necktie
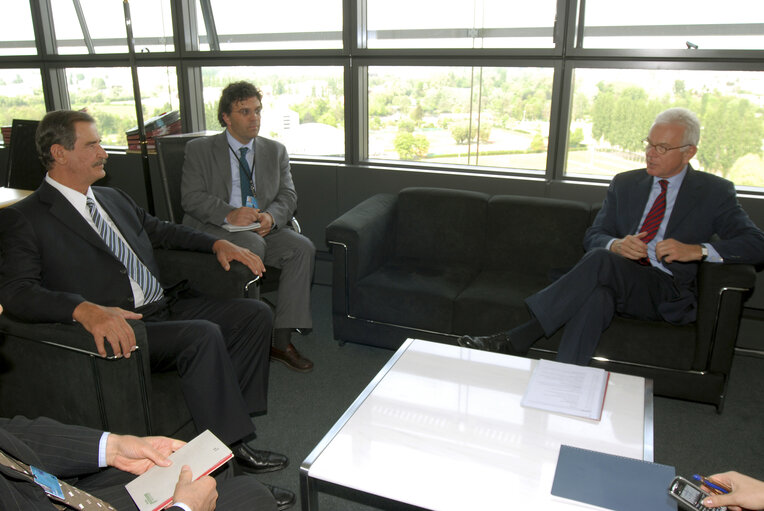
[
  {"x": 152, "y": 289},
  {"x": 654, "y": 218}
]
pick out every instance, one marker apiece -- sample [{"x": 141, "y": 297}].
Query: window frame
[{"x": 355, "y": 58}]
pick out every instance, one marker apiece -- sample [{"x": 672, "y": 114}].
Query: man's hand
[
  {"x": 136, "y": 455},
  {"x": 671, "y": 250},
  {"x": 630, "y": 247},
  {"x": 227, "y": 252},
  {"x": 242, "y": 216},
  {"x": 108, "y": 323},
  {"x": 266, "y": 224},
  {"x": 199, "y": 495}
]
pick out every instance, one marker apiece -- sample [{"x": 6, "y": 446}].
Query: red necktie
[{"x": 654, "y": 218}]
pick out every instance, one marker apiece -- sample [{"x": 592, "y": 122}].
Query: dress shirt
[
  {"x": 236, "y": 183},
  {"x": 674, "y": 184},
  {"x": 79, "y": 202}
]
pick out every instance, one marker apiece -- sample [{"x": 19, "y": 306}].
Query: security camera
[{"x": 691, "y": 46}]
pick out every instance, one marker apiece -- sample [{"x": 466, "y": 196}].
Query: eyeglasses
[{"x": 661, "y": 149}]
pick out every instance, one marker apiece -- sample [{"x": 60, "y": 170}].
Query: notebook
[{"x": 613, "y": 482}]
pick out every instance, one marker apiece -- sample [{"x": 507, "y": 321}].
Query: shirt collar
[
  {"x": 236, "y": 145},
  {"x": 77, "y": 199},
  {"x": 675, "y": 181}
]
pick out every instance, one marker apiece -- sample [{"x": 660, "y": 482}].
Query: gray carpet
[{"x": 303, "y": 407}]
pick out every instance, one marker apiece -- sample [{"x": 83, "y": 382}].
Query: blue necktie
[
  {"x": 152, "y": 289},
  {"x": 245, "y": 178}
]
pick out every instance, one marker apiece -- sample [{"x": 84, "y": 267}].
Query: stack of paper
[{"x": 566, "y": 388}]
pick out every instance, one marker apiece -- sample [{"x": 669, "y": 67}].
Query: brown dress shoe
[{"x": 291, "y": 358}]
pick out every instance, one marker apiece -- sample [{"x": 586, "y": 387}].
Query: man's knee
[{"x": 249, "y": 240}]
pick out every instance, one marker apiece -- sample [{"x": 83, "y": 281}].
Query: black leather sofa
[{"x": 437, "y": 263}]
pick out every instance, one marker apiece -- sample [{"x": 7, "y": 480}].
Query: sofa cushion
[
  {"x": 412, "y": 295},
  {"x": 494, "y": 301},
  {"x": 440, "y": 226},
  {"x": 653, "y": 343},
  {"x": 534, "y": 235}
]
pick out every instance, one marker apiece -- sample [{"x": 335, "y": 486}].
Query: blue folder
[{"x": 613, "y": 482}]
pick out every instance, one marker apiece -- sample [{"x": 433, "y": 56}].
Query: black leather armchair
[{"x": 54, "y": 370}]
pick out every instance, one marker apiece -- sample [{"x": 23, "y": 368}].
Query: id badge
[
  {"x": 48, "y": 482},
  {"x": 252, "y": 202}
]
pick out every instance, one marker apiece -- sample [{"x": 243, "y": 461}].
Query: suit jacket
[
  {"x": 706, "y": 207},
  {"x": 53, "y": 260},
  {"x": 62, "y": 450},
  {"x": 206, "y": 183}
]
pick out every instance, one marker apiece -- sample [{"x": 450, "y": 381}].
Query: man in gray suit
[
  {"x": 643, "y": 249},
  {"x": 236, "y": 178}
]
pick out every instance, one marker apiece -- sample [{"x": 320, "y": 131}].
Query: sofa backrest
[
  {"x": 531, "y": 234},
  {"x": 440, "y": 226}
]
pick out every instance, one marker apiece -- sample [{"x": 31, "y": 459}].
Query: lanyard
[{"x": 250, "y": 181}]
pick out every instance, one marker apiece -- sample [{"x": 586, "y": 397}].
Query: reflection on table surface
[{"x": 444, "y": 429}]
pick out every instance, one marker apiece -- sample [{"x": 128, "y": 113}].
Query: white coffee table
[{"x": 441, "y": 427}]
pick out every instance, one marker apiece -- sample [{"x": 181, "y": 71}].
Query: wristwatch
[{"x": 703, "y": 252}]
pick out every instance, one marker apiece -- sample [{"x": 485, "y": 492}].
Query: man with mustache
[
  {"x": 76, "y": 253},
  {"x": 237, "y": 178}
]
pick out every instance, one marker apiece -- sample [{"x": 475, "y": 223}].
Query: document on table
[
  {"x": 239, "y": 228},
  {"x": 153, "y": 489},
  {"x": 567, "y": 388}
]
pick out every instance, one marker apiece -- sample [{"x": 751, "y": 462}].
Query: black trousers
[
  {"x": 585, "y": 299},
  {"x": 221, "y": 350}
]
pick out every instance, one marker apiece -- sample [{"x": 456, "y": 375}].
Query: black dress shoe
[
  {"x": 284, "y": 498},
  {"x": 256, "y": 461},
  {"x": 497, "y": 343}
]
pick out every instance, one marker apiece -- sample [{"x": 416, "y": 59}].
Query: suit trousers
[
  {"x": 586, "y": 298},
  {"x": 241, "y": 493},
  {"x": 221, "y": 350},
  {"x": 295, "y": 255}
]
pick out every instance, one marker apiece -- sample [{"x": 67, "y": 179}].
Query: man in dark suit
[
  {"x": 643, "y": 249},
  {"x": 72, "y": 252},
  {"x": 79, "y": 455},
  {"x": 221, "y": 186}
]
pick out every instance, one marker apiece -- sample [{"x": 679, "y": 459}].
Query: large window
[
  {"x": 489, "y": 117},
  {"x": 613, "y": 110},
  {"x": 97, "y": 26},
  {"x": 16, "y": 30},
  {"x": 285, "y": 24},
  {"x": 20, "y": 95},
  {"x": 303, "y": 107},
  {"x": 464, "y": 24},
  {"x": 702, "y": 24},
  {"x": 107, "y": 95},
  {"x": 553, "y": 89}
]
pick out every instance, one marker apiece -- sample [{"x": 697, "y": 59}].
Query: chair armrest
[
  {"x": 722, "y": 289},
  {"x": 55, "y": 370},
  {"x": 360, "y": 241},
  {"x": 71, "y": 337},
  {"x": 367, "y": 233},
  {"x": 204, "y": 273}
]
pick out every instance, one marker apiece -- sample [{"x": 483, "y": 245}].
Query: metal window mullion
[
  {"x": 84, "y": 27},
  {"x": 209, "y": 23}
]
